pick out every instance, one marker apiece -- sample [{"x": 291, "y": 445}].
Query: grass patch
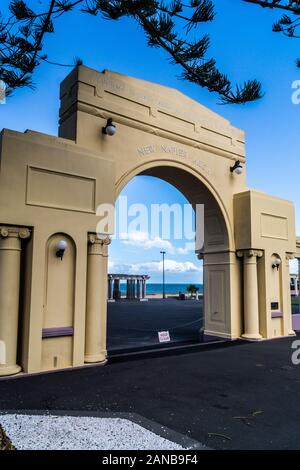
[{"x": 5, "y": 442}]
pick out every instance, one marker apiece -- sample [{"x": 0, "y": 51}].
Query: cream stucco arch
[{"x": 55, "y": 184}]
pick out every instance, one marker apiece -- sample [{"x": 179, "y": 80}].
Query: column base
[
  {"x": 144, "y": 300},
  {"x": 252, "y": 336},
  {"x": 9, "y": 370},
  {"x": 111, "y": 300},
  {"x": 102, "y": 357},
  {"x": 291, "y": 333}
]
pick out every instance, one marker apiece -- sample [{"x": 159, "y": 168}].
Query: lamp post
[{"x": 163, "y": 255}]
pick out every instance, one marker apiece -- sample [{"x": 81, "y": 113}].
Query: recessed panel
[
  {"x": 273, "y": 226},
  {"x": 59, "y": 190},
  {"x": 217, "y": 296}
]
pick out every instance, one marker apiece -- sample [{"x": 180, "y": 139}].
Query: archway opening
[{"x": 167, "y": 223}]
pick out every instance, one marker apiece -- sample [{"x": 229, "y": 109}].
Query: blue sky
[{"x": 244, "y": 47}]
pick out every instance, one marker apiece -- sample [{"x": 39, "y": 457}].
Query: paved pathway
[
  {"x": 241, "y": 397},
  {"x": 133, "y": 324}
]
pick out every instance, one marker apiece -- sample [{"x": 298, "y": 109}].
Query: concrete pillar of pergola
[
  {"x": 110, "y": 290},
  {"x": 116, "y": 290},
  {"x": 138, "y": 289},
  {"x": 135, "y": 287}
]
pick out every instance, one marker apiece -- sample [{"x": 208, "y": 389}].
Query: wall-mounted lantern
[
  {"x": 61, "y": 248},
  {"x": 276, "y": 263},
  {"x": 237, "y": 168},
  {"x": 110, "y": 128}
]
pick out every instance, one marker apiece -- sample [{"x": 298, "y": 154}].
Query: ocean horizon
[{"x": 170, "y": 288}]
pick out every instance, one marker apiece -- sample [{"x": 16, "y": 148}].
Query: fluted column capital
[
  {"x": 102, "y": 239},
  {"x": 15, "y": 232},
  {"x": 97, "y": 244},
  {"x": 249, "y": 253}
]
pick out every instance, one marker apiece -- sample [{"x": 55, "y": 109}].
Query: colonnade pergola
[{"x": 135, "y": 286}]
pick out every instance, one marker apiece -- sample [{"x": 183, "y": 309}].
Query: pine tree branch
[
  {"x": 251, "y": 91},
  {"x": 21, "y": 38},
  {"x": 285, "y": 25},
  {"x": 293, "y": 7}
]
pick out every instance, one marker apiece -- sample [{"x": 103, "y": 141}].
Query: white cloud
[
  {"x": 171, "y": 266},
  {"x": 111, "y": 265},
  {"x": 190, "y": 246},
  {"x": 294, "y": 266},
  {"x": 142, "y": 240}
]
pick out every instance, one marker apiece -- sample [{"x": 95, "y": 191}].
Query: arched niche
[{"x": 58, "y": 312}]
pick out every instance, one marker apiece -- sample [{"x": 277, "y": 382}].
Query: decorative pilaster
[
  {"x": 251, "y": 306},
  {"x": 10, "y": 264},
  {"x": 96, "y": 307}
]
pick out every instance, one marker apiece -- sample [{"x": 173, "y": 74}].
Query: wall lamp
[
  {"x": 276, "y": 263},
  {"x": 61, "y": 248},
  {"x": 237, "y": 168},
  {"x": 110, "y": 128}
]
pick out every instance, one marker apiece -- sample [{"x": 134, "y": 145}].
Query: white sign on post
[{"x": 164, "y": 336}]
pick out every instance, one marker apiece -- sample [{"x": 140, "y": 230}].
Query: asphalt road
[
  {"x": 245, "y": 396},
  {"x": 134, "y": 324}
]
